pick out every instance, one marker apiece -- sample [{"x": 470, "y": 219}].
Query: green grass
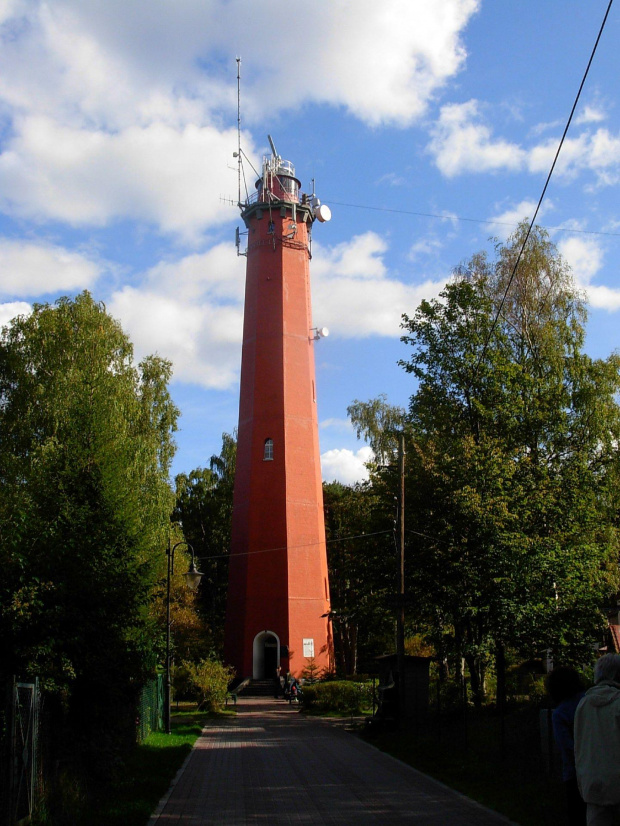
[
  {"x": 512, "y": 780},
  {"x": 147, "y": 773}
]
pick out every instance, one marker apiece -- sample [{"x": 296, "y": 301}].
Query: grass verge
[
  {"x": 506, "y": 775},
  {"x": 148, "y": 772}
]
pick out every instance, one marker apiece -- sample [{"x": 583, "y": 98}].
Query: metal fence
[
  {"x": 31, "y": 738},
  {"x": 151, "y": 708},
  {"x": 22, "y": 780}
]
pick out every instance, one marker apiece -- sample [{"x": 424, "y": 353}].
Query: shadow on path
[{"x": 273, "y": 765}]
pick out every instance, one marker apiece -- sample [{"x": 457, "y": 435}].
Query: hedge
[{"x": 347, "y": 697}]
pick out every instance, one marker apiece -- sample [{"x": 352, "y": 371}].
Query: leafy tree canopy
[
  {"x": 85, "y": 450},
  {"x": 515, "y": 434},
  {"x": 512, "y": 464},
  {"x": 362, "y": 572},
  {"x": 204, "y": 509}
]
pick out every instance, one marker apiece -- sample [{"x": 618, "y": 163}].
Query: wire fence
[
  {"x": 34, "y": 760},
  {"x": 151, "y": 708}
]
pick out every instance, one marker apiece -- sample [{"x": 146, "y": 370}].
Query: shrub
[
  {"x": 346, "y": 697},
  {"x": 209, "y": 680},
  {"x": 311, "y": 672}
]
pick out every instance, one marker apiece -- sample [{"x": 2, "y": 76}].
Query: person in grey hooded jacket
[{"x": 597, "y": 744}]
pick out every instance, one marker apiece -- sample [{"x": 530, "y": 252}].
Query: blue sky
[{"x": 428, "y": 127}]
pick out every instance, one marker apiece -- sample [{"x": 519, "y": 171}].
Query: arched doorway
[{"x": 266, "y": 655}]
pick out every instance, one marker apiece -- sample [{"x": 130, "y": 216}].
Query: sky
[{"x": 428, "y": 128}]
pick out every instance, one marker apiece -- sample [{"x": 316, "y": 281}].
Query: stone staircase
[{"x": 258, "y": 688}]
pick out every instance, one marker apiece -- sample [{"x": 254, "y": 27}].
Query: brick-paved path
[{"x": 273, "y": 765}]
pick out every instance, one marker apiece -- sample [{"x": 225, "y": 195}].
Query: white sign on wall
[{"x": 308, "y": 648}]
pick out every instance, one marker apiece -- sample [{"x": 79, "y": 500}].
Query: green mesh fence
[{"x": 151, "y": 708}]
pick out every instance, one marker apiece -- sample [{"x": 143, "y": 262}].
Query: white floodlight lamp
[{"x": 320, "y": 332}]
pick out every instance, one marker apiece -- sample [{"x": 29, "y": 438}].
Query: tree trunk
[
  {"x": 500, "y": 669},
  {"x": 473, "y": 665}
]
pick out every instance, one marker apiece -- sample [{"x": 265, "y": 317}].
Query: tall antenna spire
[{"x": 239, "y": 130}]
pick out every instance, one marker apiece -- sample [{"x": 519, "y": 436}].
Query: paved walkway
[{"x": 272, "y": 765}]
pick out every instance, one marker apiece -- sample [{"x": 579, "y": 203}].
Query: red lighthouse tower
[{"x": 278, "y": 592}]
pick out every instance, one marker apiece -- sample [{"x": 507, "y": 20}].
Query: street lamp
[{"x": 192, "y": 579}]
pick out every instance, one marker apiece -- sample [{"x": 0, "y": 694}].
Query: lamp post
[
  {"x": 192, "y": 579},
  {"x": 400, "y": 621}
]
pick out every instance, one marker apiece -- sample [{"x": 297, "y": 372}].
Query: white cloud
[
  {"x": 590, "y": 114},
  {"x": 191, "y": 312},
  {"x": 116, "y": 108},
  {"x": 423, "y": 248},
  {"x": 34, "y": 269},
  {"x": 391, "y": 179},
  {"x": 519, "y": 212},
  {"x": 504, "y": 223},
  {"x": 358, "y": 258},
  {"x": 339, "y": 425},
  {"x": 345, "y": 466},
  {"x": 156, "y": 174},
  {"x": 353, "y": 294},
  {"x": 12, "y": 309},
  {"x": 110, "y": 62},
  {"x": 604, "y": 298},
  {"x": 383, "y": 62},
  {"x": 463, "y": 142},
  {"x": 585, "y": 257}
]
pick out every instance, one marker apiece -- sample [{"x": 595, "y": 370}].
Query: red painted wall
[{"x": 278, "y": 567}]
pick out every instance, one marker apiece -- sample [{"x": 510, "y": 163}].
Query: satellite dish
[
  {"x": 323, "y": 332},
  {"x": 323, "y": 213}
]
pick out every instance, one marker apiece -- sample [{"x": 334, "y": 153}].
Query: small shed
[{"x": 416, "y": 688}]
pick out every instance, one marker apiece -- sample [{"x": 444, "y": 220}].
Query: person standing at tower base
[
  {"x": 597, "y": 744},
  {"x": 566, "y": 690}
]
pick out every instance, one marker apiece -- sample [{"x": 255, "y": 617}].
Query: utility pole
[{"x": 400, "y": 621}]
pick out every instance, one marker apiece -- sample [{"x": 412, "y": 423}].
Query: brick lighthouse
[{"x": 278, "y": 591}]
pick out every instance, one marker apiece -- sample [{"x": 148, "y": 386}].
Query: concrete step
[{"x": 259, "y": 688}]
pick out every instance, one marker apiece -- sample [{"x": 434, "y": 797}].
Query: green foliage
[
  {"x": 190, "y": 637},
  {"x": 204, "y": 508},
  {"x": 146, "y": 776},
  {"x": 379, "y": 423},
  {"x": 209, "y": 680},
  {"x": 496, "y": 761},
  {"x": 85, "y": 450},
  {"x": 511, "y": 465},
  {"x": 341, "y": 696},
  {"x": 359, "y": 552},
  {"x": 512, "y": 469},
  {"x": 311, "y": 672}
]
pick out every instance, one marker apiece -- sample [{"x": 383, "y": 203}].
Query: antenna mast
[{"x": 239, "y": 129}]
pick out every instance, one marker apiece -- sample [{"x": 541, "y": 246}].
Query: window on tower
[{"x": 268, "y": 452}]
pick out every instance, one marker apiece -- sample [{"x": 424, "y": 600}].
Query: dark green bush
[{"x": 345, "y": 697}]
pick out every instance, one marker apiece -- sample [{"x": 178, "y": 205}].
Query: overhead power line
[
  {"x": 294, "y": 547},
  {"x": 542, "y": 195},
  {"x": 450, "y": 217}
]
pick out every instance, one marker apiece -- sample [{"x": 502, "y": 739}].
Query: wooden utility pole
[{"x": 400, "y": 621}]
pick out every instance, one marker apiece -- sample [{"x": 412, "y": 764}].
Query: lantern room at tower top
[{"x": 278, "y": 594}]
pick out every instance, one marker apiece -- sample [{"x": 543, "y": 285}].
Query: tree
[
  {"x": 362, "y": 569},
  {"x": 379, "y": 423},
  {"x": 85, "y": 451},
  {"x": 512, "y": 462},
  {"x": 204, "y": 509}
]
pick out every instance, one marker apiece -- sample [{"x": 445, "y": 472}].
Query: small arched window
[{"x": 268, "y": 452}]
